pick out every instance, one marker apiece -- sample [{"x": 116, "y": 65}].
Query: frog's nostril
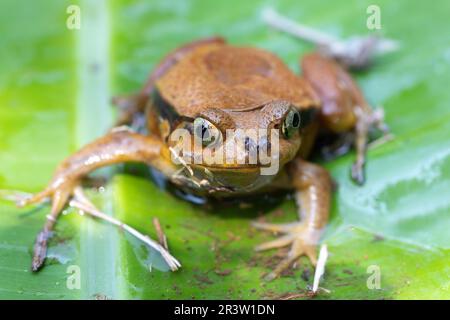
[
  {"x": 250, "y": 145},
  {"x": 253, "y": 148},
  {"x": 251, "y": 151},
  {"x": 263, "y": 144}
]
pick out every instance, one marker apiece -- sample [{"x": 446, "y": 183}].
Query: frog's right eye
[
  {"x": 206, "y": 132},
  {"x": 291, "y": 123}
]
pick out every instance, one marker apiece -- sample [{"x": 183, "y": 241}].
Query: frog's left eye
[
  {"x": 291, "y": 123},
  {"x": 206, "y": 132}
]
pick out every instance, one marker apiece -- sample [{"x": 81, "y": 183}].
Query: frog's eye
[
  {"x": 291, "y": 123},
  {"x": 206, "y": 132}
]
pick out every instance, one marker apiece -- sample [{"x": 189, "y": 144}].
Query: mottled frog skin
[{"x": 225, "y": 87}]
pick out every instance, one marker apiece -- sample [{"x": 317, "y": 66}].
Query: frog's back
[{"x": 234, "y": 78}]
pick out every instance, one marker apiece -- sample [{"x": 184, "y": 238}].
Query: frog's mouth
[
  {"x": 212, "y": 179},
  {"x": 232, "y": 167}
]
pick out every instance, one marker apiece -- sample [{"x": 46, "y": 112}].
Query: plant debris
[
  {"x": 82, "y": 203},
  {"x": 224, "y": 272},
  {"x": 161, "y": 236},
  {"x": 320, "y": 268},
  {"x": 355, "y": 52}
]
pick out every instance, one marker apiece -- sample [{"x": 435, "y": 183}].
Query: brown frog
[{"x": 207, "y": 88}]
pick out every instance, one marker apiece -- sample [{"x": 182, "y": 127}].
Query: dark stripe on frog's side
[
  {"x": 165, "y": 111},
  {"x": 307, "y": 116},
  {"x": 308, "y": 131}
]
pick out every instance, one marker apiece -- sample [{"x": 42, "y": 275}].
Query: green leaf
[{"x": 55, "y": 88}]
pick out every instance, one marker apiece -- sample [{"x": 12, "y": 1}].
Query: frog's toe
[
  {"x": 357, "y": 173},
  {"x": 303, "y": 248},
  {"x": 298, "y": 249},
  {"x": 274, "y": 227},
  {"x": 302, "y": 238},
  {"x": 28, "y": 199},
  {"x": 278, "y": 243}
]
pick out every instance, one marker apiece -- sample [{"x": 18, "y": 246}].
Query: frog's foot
[
  {"x": 130, "y": 108},
  {"x": 367, "y": 119},
  {"x": 301, "y": 238},
  {"x": 58, "y": 194}
]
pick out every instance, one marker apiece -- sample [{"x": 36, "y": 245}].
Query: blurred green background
[{"x": 55, "y": 88}]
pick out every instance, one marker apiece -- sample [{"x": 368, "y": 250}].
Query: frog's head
[{"x": 239, "y": 149}]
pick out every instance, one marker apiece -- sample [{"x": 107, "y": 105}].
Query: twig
[
  {"x": 181, "y": 160},
  {"x": 320, "y": 268},
  {"x": 294, "y": 296},
  {"x": 81, "y": 202},
  {"x": 161, "y": 236},
  {"x": 354, "y": 52},
  {"x": 277, "y": 21}
]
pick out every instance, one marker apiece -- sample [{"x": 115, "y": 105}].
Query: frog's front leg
[
  {"x": 344, "y": 107},
  {"x": 313, "y": 187},
  {"x": 115, "y": 147}
]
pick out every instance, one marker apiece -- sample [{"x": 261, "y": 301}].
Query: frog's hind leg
[
  {"x": 344, "y": 107},
  {"x": 313, "y": 189},
  {"x": 115, "y": 147}
]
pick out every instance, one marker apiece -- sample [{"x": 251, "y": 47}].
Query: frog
[{"x": 207, "y": 87}]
